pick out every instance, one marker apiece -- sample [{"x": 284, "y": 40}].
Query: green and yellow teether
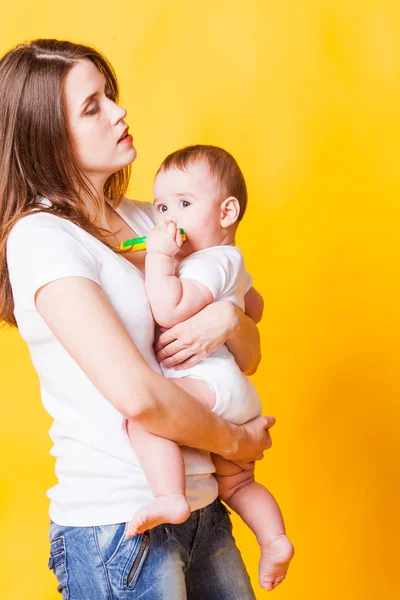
[{"x": 139, "y": 243}]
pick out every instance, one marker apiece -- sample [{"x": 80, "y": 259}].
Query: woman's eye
[
  {"x": 185, "y": 203},
  {"x": 162, "y": 208},
  {"x": 110, "y": 96},
  {"x": 93, "y": 110}
]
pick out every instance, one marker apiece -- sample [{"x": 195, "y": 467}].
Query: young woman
[{"x": 82, "y": 309}]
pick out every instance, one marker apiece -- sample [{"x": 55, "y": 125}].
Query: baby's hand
[{"x": 165, "y": 238}]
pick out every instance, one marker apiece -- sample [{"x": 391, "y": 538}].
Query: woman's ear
[{"x": 230, "y": 210}]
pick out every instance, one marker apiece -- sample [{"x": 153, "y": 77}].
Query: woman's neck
[
  {"x": 104, "y": 219},
  {"x": 107, "y": 216}
]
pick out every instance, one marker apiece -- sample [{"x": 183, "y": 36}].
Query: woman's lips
[{"x": 127, "y": 139}]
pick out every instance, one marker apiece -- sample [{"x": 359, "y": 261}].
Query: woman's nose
[{"x": 119, "y": 114}]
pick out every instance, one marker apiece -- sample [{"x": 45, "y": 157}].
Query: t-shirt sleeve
[
  {"x": 217, "y": 270},
  {"x": 42, "y": 248}
]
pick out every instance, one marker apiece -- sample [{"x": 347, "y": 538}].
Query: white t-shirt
[{"x": 100, "y": 480}]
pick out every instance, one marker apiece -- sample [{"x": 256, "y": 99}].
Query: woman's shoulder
[
  {"x": 46, "y": 237},
  {"x": 36, "y": 222}
]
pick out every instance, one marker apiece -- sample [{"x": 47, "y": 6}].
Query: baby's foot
[
  {"x": 274, "y": 562},
  {"x": 173, "y": 508}
]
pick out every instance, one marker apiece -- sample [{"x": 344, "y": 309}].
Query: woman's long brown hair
[{"x": 36, "y": 157}]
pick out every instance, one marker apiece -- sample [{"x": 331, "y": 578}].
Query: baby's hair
[{"x": 222, "y": 166}]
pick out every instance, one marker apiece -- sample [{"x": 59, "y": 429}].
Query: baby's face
[{"x": 192, "y": 198}]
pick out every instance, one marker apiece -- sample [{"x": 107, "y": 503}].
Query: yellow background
[{"x": 306, "y": 95}]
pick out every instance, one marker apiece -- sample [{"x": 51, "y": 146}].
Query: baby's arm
[
  {"x": 254, "y": 305},
  {"x": 172, "y": 300}
]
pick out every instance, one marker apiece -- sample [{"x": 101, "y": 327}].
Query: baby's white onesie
[{"x": 221, "y": 269}]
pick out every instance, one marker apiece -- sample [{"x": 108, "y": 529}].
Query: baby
[{"x": 202, "y": 190}]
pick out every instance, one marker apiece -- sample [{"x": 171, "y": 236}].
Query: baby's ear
[{"x": 230, "y": 210}]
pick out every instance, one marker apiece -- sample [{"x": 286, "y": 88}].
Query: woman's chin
[
  {"x": 132, "y": 155},
  {"x": 128, "y": 157}
]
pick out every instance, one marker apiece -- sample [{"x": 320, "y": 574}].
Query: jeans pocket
[
  {"x": 109, "y": 539},
  {"x": 57, "y": 562},
  {"x": 122, "y": 557},
  {"x": 136, "y": 560}
]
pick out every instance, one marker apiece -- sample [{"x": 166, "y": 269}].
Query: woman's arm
[
  {"x": 245, "y": 344},
  {"x": 81, "y": 317},
  {"x": 254, "y": 305}
]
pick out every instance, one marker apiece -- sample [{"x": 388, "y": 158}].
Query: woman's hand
[
  {"x": 219, "y": 323},
  {"x": 188, "y": 342},
  {"x": 254, "y": 438}
]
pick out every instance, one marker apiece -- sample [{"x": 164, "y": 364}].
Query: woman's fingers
[
  {"x": 169, "y": 350},
  {"x": 256, "y": 440},
  {"x": 246, "y": 466},
  {"x": 269, "y": 421},
  {"x": 178, "y": 358},
  {"x": 266, "y": 423},
  {"x": 175, "y": 353},
  {"x": 269, "y": 440},
  {"x": 165, "y": 338},
  {"x": 190, "y": 362}
]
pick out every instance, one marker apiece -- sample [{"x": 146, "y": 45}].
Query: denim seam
[
  {"x": 66, "y": 566},
  {"x": 104, "y": 566},
  {"x": 196, "y": 538}
]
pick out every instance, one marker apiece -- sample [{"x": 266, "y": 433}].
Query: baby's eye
[
  {"x": 162, "y": 208},
  {"x": 184, "y": 203}
]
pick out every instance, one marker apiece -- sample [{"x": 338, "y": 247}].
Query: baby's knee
[{"x": 230, "y": 484}]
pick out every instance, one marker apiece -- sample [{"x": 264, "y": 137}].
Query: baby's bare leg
[
  {"x": 254, "y": 503},
  {"x": 259, "y": 510},
  {"x": 163, "y": 464}
]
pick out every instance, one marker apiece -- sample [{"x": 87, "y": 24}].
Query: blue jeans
[{"x": 196, "y": 560}]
